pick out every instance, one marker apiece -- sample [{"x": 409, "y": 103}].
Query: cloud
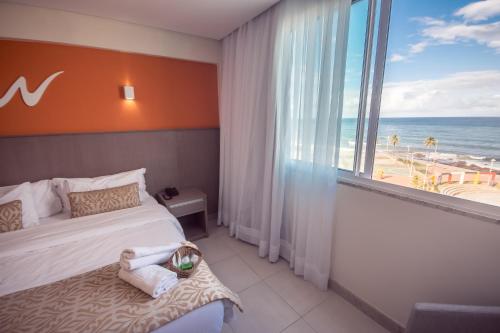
[
  {"x": 397, "y": 57},
  {"x": 441, "y": 32},
  {"x": 418, "y": 47},
  {"x": 461, "y": 94},
  {"x": 484, "y": 34},
  {"x": 427, "y": 20},
  {"x": 479, "y": 11},
  {"x": 414, "y": 49},
  {"x": 457, "y": 95}
]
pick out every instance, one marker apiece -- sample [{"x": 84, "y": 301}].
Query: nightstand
[{"x": 190, "y": 208}]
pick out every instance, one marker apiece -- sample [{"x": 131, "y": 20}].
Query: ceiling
[{"x": 205, "y": 18}]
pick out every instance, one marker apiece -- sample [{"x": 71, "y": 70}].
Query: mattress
[{"x": 61, "y": 247}]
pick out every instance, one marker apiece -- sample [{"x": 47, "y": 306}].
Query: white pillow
[
  {"x": 21, "y": 192},
  {"x": 47, "y": 201},
  {"x": 6, "y": 189},
  {"x": 67, "y": 185}
]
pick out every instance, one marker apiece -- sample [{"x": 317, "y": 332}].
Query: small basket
[{"x": 184, "y": 250}]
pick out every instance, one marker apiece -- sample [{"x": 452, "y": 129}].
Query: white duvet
[{"x": 63, "y": 248}]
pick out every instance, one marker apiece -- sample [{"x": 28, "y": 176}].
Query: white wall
[
  {"x": 33, "y": 23},
  {"x": 393, "y": 253}
]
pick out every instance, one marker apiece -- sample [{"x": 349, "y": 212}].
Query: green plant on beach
[
  {"x": 430, "y": 142},
  {"x": 416, "y": 181},
  {"x": 394, "y": 140},
  {"x": 404, "y": 161}
]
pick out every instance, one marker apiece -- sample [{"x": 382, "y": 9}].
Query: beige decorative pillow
[
  {"x": 11, "y": 216},
  {"x": 101, "y": 201}
]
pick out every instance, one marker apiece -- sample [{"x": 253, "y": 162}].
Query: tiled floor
[{"x": 274, "y": 299}]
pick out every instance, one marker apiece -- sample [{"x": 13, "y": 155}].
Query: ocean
[{"x": 465, "y": 138}]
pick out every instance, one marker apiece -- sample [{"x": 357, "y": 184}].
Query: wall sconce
[{"x": 128, "y": 92}]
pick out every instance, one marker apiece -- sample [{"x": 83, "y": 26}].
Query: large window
[
  {"x": 422, "y": 96},
  {"x": 354, "y": 72}
]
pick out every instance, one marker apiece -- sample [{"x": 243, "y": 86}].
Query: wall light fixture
[{"x": 128, "y": 92}]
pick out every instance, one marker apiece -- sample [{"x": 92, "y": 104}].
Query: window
[
  {"x": 353, "y": 77},
  {"x": 422, "y": 105}
]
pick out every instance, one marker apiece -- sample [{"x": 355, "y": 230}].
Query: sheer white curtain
[
  {"x": 282, "y": 88},
  {"x": 246, "y": 118}
]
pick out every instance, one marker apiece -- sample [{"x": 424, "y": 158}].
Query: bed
[{"x": 61, "y": 247}]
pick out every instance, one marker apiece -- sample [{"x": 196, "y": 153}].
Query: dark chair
[{"x": 447, "y": 318}]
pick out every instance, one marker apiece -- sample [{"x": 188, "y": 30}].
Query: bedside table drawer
[{"x": 179, "y": 209}]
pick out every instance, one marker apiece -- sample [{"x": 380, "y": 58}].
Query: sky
[{"x": 443, "y": 59}]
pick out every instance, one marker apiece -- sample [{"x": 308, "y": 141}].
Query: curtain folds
[{"x": 281, "y": 104}]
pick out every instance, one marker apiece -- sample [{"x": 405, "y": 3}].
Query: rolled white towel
[
  {"x": 137, "y": 257},
  {"x": 131, "y": 264},
  {"x": 143, "y": 251},
  {"x": 154, "y": 280}
]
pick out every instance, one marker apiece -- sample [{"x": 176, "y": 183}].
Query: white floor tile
[
  {"x": 235, "y": 244},
  {"x": 261, "y": 266},
  {"x": 249, "y": 254},
  {"x": 264, "y": 312},
  {"x": 276, "y": 303},
  {"x": 300, "y": 326},
  {"x": 234, "y": 274},
  {"x": 214, "y": 250},
  {"x": 215, "y": 230},
  {"x": 338, "y": 316},
  {"x": 300, "y": 294}
]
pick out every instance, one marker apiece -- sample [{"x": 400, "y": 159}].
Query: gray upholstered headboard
[{"x": 181, "y": 158}]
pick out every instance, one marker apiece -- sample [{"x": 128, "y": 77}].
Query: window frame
[
  {"x": 377, "y": 86},
  {"x": 458, "y": 205},
  {"x": 364, "y": 87},
  {"x": 363, "y": 178}
]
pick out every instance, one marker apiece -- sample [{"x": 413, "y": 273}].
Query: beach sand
[{"x": 477, "y": 185}]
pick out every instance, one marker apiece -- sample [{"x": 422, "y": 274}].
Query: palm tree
[
  {"x": 431, "y": 142},
  {"x": 394, "y": 140}
]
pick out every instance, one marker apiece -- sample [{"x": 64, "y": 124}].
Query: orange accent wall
[{"x": 87, "y": 97}]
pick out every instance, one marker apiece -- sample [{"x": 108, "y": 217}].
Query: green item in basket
[{"x": 186, "y": 266}]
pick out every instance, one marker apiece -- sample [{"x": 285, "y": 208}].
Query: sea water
[{"x": 475, "y": 140}]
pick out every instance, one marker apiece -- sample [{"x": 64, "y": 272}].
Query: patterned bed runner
[{"x": 99, "y": 301}]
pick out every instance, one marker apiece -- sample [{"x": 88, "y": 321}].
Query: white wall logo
[{"x": 30, "y": 99}]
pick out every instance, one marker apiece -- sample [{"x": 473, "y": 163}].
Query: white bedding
[{"x": 61, "y": 247}]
